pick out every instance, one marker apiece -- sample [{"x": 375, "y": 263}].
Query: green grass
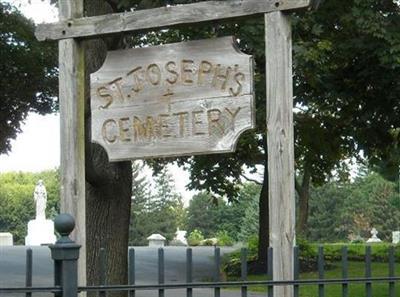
[{"x": 356, "y": 269}]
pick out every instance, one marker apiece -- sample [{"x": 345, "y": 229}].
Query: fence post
[{"x": 65, "y": 254}]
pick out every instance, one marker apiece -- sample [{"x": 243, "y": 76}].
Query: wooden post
[
  {"x": 71, "y": 97},
  {"x": 279, "y": 85}
]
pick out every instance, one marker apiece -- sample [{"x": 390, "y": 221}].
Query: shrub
[
  {"x": 252, "y": 244},
  {"x": 308, "y": 255},
  {"x": 224, "y": 239},
  {"x": 195, "y": 237},
  {"x": 208, "y": 242},
  {"x": 356, "y": 252}
]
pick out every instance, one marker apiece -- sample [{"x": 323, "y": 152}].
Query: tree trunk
[
  {"x": 108, "y": 185},
  {"x": 263, "y": 229},
  {"x": 303, "y": 191},
  {"x": 108, "y": 210}
]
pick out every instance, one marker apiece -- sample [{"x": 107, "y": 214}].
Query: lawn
[{"x": 356, "y": 269}]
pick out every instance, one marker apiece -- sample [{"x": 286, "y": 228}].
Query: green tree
[
  {"x": 375, "y": 199},
  {"x": 16, "y": 200},
  {"x": 341, "y": 211},
  {"x": 212, "y": 215},
  {"x": 140, "y": 196},
  {"x": 202, "y": 214},
  {"x": 160, "y": 212},
  {"x": 249, "y": 224},
  {"x": 329, "y": 220},
  {"x": 28, "y": 74}
]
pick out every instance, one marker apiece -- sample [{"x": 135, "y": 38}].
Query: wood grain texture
[
  {"x": 72, "y": 163},
  {"x": 162, "y": 17},
  {"x": 177, "y": 99},
  {"x": 280, "y": 147}
]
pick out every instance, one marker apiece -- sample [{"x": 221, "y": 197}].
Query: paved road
[{"x": 12, "y": 268}]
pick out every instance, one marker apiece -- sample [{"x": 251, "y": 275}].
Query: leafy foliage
[
  {"x": 202, "y": 215},
  {"x": 195, "y": 237},
  {"x": 250, "y": 221},
  {"x": 346, "y": 56},
  {"x": 28, "y": 74},
  {"x": 223, "y": 238},
  {"x": 16, "y": 200},
  {"x": 212, "y": 216},
  {"x": 343, "y": 211}
]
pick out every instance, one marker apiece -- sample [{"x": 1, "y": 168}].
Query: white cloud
[
  {"x": 38, "y": 10},
  {"x": 37, "y": 148}
]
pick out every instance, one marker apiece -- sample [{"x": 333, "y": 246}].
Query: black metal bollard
[{"x": 65, "y": 254}]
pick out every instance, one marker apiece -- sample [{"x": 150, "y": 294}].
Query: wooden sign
[{"x": 172, "y": 100}]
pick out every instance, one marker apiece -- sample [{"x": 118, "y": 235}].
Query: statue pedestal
[{"x": 40, "y": 231}]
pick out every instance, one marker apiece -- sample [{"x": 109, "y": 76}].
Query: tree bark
[
  {"x": 263, "y": 229},
  {"x": 108, "y": 185},
  {"x": 303, "y": 192}
]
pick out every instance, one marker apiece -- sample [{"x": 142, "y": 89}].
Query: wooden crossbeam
[{"x": 163, "y": 17}]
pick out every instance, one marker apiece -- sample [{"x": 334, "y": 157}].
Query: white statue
[
  {"x": 40, "y": 230},
  {"x": 180, "y": 238},
  {"x": 40, "y": 197},
  {"x": 374, "y": 237}
]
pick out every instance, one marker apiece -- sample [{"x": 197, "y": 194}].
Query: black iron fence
[{"x": 65, "y": 255}]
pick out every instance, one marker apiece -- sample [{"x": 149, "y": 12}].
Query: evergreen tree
[
  {"x": 202, "y": 214},
  {"x": 160, "y": 212},
  {"x": 343, "y": 211},
  {"x": 212, "y": 215},
  {"x": 140, "y": 197},
  {"x": 250, "y": 221},
  {"x": 376, "y": 199},
  {"x": 328, "y": 213}
]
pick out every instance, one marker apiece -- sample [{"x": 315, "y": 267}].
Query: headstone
[
  {"x": 180, "y": 238},
  {"x": 374, "y": 238},
  {"x": 156, "y": 240},
  {"x": 6, "y": 239},
  {"x": 396, "y": 237},
  {"x": 40, "y": 230}
]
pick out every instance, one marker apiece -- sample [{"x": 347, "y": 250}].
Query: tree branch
[{"x": 251, "y": 179}]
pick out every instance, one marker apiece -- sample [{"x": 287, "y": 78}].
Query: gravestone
[
  {"x": 396, "y": 237},
  {"x": 374, "y": 238},
  {"x": 40, "y": 230},
  {"x": 156, "y": 240},
  {"x": 6, "y": 239},
  {"x": 180, "y": 238}
]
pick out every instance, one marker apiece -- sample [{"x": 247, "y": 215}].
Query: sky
[{"x": 37, "y": 148}]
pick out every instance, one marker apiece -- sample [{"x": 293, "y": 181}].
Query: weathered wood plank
[
  {"x": 280, "y": 147},
  {"x": 176, "y": 99},
  {"x": 178, "y": 71},
  {"x": 182, "y": 128},
  {"x": 162, "y": 17},
  {"x": 72, "y": 163}
]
